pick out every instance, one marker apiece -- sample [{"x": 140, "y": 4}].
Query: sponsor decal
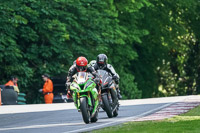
[{"x": 82, "y": 63}]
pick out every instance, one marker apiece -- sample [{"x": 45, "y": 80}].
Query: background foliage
[{"x": 153, "y": 45}]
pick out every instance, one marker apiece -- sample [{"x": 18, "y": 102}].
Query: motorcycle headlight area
[{"x": 88, "y": 84}]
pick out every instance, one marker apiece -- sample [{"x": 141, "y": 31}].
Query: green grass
[{"x": 185, "y": 123}]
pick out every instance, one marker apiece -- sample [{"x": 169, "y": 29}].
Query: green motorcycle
[{"x": 85, "y": 96}]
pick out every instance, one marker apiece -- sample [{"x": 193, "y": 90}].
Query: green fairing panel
[{"x": 90, "y": 88}]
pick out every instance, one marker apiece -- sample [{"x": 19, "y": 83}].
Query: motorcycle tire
[
  {"x": 84, "y": 110},
  {"x": 107, "y": 106}
]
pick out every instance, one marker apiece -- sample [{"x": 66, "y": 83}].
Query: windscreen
[
  {"x": 81, "y": 77},
  {"x": 106, "y": 79},
  {"x": 101, "y": 73}
]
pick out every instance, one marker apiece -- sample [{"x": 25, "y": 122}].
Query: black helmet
[{"x": 102, "y": 61}]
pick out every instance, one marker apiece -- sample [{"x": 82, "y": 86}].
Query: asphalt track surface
[{"x": 64, "y": 118}]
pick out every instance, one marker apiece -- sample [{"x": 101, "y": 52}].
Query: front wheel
[
  {"x": 84, "y": 110},
  {"x": 107, "y": 106}
]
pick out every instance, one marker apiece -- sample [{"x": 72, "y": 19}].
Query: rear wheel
[
  {"x": 107, "y": 106},
  {"x": 84, "y": 110}
]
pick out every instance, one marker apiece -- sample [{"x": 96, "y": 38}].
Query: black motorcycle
[{"x": 108, "y": 93}]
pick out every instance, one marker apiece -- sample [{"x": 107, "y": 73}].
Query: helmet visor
[
  {"x": 101, "y": 64},
  {"x": 81, "y": 68}
]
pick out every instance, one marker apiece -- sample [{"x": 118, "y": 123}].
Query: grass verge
[{"x": 184, "y": 123}]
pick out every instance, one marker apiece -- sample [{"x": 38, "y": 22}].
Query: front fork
[
  {"x": 99, "y": 95},
  {"x": 76, "y": 99},
  {"x": 77, "y": 96},
  {"x": 109, "y": 96}
]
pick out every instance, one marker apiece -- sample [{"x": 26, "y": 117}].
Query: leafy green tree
[
  {"x": 47, "y": 36},
  {"x": 168, "y": 53},
  {"x": 153, "y": 45}
]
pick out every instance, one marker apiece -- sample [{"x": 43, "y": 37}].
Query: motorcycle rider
[
  {"x": 101, "y": 63},
  {"x": 80, "y": 66}
]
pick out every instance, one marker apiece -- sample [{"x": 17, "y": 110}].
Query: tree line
[{"x": 153, "y": 45}]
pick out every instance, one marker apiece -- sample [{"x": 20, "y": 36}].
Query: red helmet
[{"x": 81, "y": 64}]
